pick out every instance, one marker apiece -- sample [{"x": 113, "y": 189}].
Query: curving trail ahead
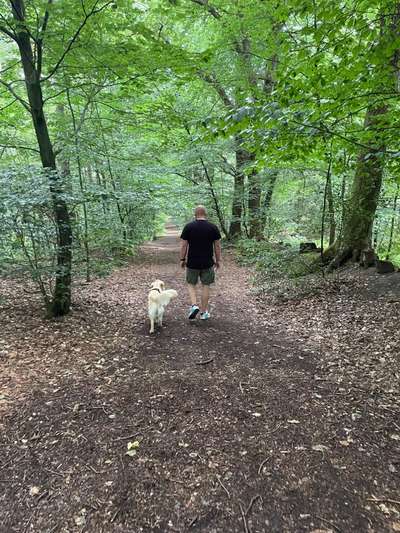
[{"x": 237, "y": 428}]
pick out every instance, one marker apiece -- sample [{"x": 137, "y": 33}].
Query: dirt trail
[{"x": 237, "y": 427}]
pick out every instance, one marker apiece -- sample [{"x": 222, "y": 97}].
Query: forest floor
[{"x": 269, "y": 417}]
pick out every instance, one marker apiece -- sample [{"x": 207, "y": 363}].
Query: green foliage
[
  {"x": 148, "y": 104},
  {"x": 276, "y": 261}
]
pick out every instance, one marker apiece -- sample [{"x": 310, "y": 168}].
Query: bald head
[{"x": 200, "y": 212}]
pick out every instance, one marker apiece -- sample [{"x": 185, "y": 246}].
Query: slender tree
[{"x": 32, "y": 67}]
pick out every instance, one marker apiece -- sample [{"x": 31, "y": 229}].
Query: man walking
[{"x": 200, "y": 242}]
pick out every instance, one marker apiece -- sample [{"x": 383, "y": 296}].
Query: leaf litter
[{"x": 295, "y": 420}]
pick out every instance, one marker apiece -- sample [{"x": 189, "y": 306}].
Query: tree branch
[
  {"x": 9, "y": 67},
  {"x": 41, "y": 37},
  {"x": 186, "y": 177},
  {"x": 324, "y": 129},
  {"x": 211, "y": 80},
  {"x": 20, "y": 147},
  {"x": 8, "y": 105},
  {"x": 211, "y": 9},
  {"x": 214, "y": 197},
  {"x": 16, "y": 96},
  {"x": 8, "y": 33},
  {"x": 228, "y": 168},
  {"x": 91, "y": 13}
]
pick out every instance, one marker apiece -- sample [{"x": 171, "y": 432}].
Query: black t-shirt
[{"x": 200, "y": 235}]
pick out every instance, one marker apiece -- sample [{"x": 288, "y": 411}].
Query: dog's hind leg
[
  {"x": 160, "y": 316},
  {"x": 151, "y": 325}
]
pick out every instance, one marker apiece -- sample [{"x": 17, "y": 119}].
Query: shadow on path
[{"x": 234, "y": 427}]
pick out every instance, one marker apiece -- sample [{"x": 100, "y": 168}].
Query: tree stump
[
  {"x": 306, "y": 247},
  {"x": 368, "y": 258},
  {"x": 384, "y": 267}
]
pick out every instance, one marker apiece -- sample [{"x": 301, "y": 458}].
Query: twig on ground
[
  {"x": 121, "y": 459},
  {"x": 11, "y": 460},
  {"x": 57, "y": 473},
  {"x": 129, "y": 436},
  {"x": 245, "y": 524},
  {"x": 223, "y": 486},
  {"x": 176, "y": 480},
  {"x": 260, "y": 468},
  {"x": 115, "y": 515},
  {"x": 101, "y": 407},
  {"x": 275, "y": 429},
  {"x": 206, "y": 362},
  {"x": 328, "y": 522},
  {"x": 43, "y": 495},
  {"x": 250, "y": 506},
  {"x": 382, "y": 500},
  {"x": 192, "y": 523},
  {"x": 95, "y": 471},
  {"x": 27, "y": 525}
]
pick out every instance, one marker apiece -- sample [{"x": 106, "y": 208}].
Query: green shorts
[{"x": 206, "y": 275}]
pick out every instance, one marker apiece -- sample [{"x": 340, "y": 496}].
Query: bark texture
[
  {"x": 366, "y": 187},
  {"x": 242, "y": 158}
]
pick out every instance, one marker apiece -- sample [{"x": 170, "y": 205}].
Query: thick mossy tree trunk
[
  {"x": 365, "y": 192},
  {"x": 331, "y": 210},
  {"x": 61, "y": 300},
  {"x": 366, "y": 187},
  {"x": 361, "y": 207}
]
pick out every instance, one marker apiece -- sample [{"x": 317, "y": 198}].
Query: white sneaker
[
  {"x": 193, "y": 312},
  {"x": 205, "y": 316}
]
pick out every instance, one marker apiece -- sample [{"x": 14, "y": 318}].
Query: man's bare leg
[
  {"x": 205, "y": 296},
  {"x": 192, "y": 294}
]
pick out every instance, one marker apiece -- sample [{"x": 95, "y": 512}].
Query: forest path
[{"x": 255, "y": 439}]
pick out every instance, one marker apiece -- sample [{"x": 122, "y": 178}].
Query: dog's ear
[{"x": 162, "y": 285}]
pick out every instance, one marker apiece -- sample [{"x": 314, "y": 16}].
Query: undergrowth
[{"x": 282, "y": 273}]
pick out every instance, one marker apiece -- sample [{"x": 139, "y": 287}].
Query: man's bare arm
[
  {"x": 184, "y": 249},
  {"x": 218, "y": 253}
]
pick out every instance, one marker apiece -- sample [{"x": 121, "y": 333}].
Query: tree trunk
[
  {"x": 121, "y": 211},
  {"x": 266, "y": 202},
  {"x": 361, "y": 208},
  {"x": 82, "y": 188},
  {"x": 331, "y": 210},
  {"x": 342, "y": 199},
  {"x": 101, "y": 182},
  {"x": 235, "y": 229},
  {"x": 392, "y": 222},
  {"x": 61, "y": 301},
  {"x": 209, "y": 177},
  {"x": 256, "y": 228},
  {"x": 360, "y": 212},
  {"x": 243, "y": 159}
]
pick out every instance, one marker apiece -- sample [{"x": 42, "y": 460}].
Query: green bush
[{"x": 275, "y": 261}]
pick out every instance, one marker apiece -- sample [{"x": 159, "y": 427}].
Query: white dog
[{"x": 158, "y": 300}]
